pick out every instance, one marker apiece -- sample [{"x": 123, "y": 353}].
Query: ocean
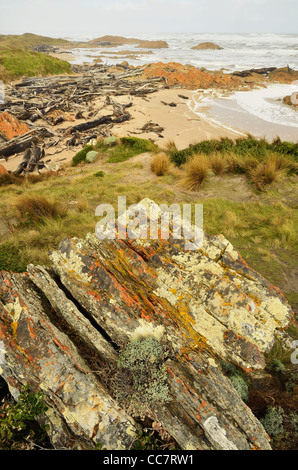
[
  {"x": 260, "y": 112},
  {"x": 240, "y": 51}
]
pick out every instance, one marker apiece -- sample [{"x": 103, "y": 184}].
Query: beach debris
[
  {"x": 32, "y": 159},
  {"x": 42, "y": 106},
  {"x": 150, "y": 126},
  {"x": 172, "y": 104}
]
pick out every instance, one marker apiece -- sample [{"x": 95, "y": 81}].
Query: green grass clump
[
  {"x": 16, "y": 63},
  {"x": 11, "y": 258},
  {"x": 129, "y": 147},
  {"x": 99, "y": 174},
  {"x": 80, "y": 157}
]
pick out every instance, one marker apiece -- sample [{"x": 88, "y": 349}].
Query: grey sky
[{"x": 98, "y": 17}]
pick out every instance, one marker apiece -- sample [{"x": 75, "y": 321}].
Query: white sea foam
[
  {"x": 240, "y": 51},
  {"x": 266, "y": 103}
]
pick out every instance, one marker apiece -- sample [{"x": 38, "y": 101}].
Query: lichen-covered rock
[
  {"x": 190, "y": 77},
  {"x": 11, "y": 127},
  {"x": 98, "y": 296}
]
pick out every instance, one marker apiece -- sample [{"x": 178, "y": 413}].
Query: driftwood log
[{"x": 64, "y": 327}]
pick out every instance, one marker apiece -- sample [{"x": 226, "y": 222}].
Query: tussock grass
[
  {"x": 34, "y": 209},
  {"x": 266, "y": 173},
  {"x": 219, "y": 163},
  {"x": 170, "y": 146},
  {"x": 196, "y": 172},
  {"x": 160, "y": 164}
]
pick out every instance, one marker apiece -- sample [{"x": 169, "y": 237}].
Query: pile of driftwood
[{"x": 45, "y": 103}]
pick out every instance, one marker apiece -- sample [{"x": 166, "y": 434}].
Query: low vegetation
[
  {"x": 116, "y": 151},
  {"x": 19, "y": 429},
  {"x": 160, "y": 164},
  {"x": 16, "y": 63},
  {"x": 37, "y": 211}
]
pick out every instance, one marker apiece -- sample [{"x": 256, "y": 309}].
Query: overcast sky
[{"x": 99, "y": 17}]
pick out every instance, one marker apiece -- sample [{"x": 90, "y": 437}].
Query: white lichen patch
[
  {"x": 15, "y": 309},
  {"x": 73, "y": 264},
  {"x": 147, "y": 329},
  {"x": 218, "y": 434},
  {"x": 230, "y": 250},
  {"x": 198, "y": 267}
]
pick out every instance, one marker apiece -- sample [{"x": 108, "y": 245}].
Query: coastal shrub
[
  {"x": 196, "y": 172},
  {"x": 244, "y": 146},
  {"x": 99, "y": 174},
  {"x": 17, "y": 420},
  {"x": 160, "y": 164},
  {"x": 240, "y": 385},
  {"x": 277, "y": 366},
  {"x": 237, "y": 379},
  {"x": 142, "y": 375},
  {"x": 273, "y": 421},
  {"x": 80, "y": 157}
]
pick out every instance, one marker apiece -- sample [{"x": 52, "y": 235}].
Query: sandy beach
[
  {"x": 180, "y": 124},
  {"x": 182, "y": 115}
]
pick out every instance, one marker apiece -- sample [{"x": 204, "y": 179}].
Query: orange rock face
[
  {"x": 3, "y": 170},
  {"x": 11, "y": 127},
  {"x": 189, "y": 76}
]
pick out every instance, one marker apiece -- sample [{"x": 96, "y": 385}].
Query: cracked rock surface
[{"x": 207, "y": 304}]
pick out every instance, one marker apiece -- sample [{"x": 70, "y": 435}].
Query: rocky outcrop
[
  {"x": 113, "y": 41},
  {"x": 190, "y": 77},
  {"x": 11, "y": 127},
  {"x": 207, "y": 45},
  {"x": 63, "y": 328}
]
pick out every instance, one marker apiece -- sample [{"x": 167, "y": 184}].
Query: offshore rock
[
  {"x": 207, "y": 45},
  {"x": 62, "y": 328}
]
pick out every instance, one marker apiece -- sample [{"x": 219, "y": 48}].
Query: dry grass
[
  {"x": 160, "y": 164},
  {"x": 170, "y": 146},
  {"x": 267, "y": 172},
  {"x": 219, "y": 163},
  {"x": 196, "y": 172},
  {"x": 35, "y": 208}
]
